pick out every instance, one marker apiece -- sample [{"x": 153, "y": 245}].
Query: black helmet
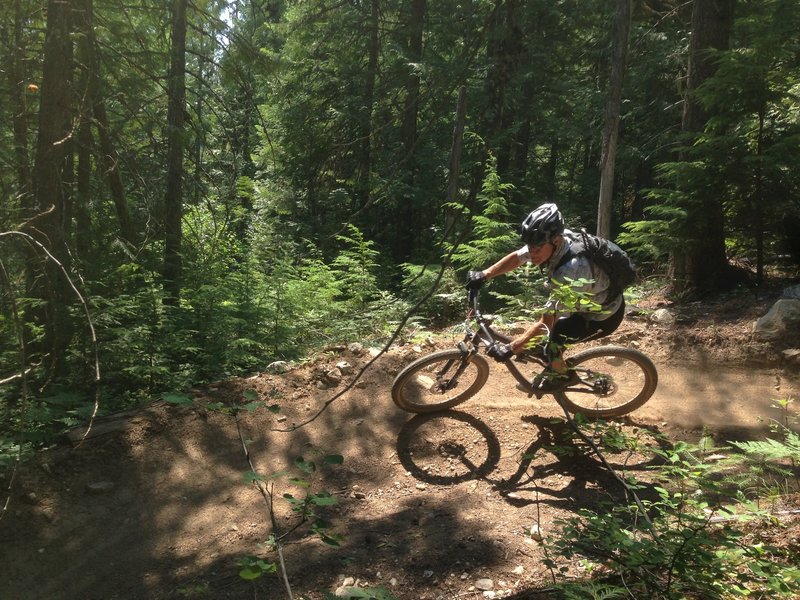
[{"x": 542, "y": 225}]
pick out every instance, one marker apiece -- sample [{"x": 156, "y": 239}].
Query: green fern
[{"x": 773, "y": 450}]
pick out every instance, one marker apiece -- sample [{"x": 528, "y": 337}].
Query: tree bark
[
  {"x": 409, "y": 213},
  {"x": 373, "y": 48},
  {"x": 173, "y": 201},
  {"x": 605, "y": 205},
  {"x": 95, "y": 107},
  {"x": 16, "y": 81},
  {"x": 108, "y": 154},
  {"x": 413, "y": 55},
  {"x": 51, "y": 225},
  {"x": 455, "y": 159},
  {"x": 702, "y": 264}
]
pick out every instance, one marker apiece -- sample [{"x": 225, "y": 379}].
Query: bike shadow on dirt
[{"x": 556, "y": 467}]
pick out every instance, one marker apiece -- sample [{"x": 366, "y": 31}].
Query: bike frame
[{"x": 487, "y": 336}]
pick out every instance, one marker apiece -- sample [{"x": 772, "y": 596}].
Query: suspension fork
[{"x": 466, "y": 353}]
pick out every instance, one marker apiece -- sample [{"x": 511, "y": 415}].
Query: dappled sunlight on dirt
[{"x": 427, "y": 506}]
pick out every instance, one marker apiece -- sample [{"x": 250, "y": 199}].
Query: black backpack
[{"x": 608, "y": 256}]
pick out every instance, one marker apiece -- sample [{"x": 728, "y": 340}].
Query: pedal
[{"x": 528, "y": 390}]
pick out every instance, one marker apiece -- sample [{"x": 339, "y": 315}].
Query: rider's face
[{"x": 541, "y": 253}]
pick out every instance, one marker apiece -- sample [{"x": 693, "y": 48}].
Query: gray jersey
[{"x": 578, "y": 267}]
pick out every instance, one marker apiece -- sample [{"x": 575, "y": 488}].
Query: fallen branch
[{"x": 16, "y": 377}]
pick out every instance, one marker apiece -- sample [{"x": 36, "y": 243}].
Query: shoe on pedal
[{"x": 551, "y": 381}]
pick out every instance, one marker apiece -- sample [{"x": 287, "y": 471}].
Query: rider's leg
[{"x": 577, "y": 328}]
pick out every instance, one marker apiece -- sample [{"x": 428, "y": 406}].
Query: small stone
[
  {"x": 355, "y": 348},
  {"x": 348, "y": 582},
  {"x": 427, "y": 574},
  {"x": 484, "y": 584},
  {"x": 519, "y": 570},
  {"x": 535, "y": 533},
  {"x": 278, "y": 367},
  {"x": 422, "y": 486},
  {"x": 345, "y": 368},
  {"x": 664, "y": 316},
  {"x": 333, "y": 376},
  {"x": 100, "y": 487}
]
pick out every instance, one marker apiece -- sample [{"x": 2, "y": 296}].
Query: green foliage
[
  {"x": 308, "y": 509},
  {"x": 745, "y": 161},
  {"x": 689, "y": 547},
  {"x": 445, "y": 301},
  {"x": 253, "y": 567},
  {"x": 773, "y": 450},
  {"x": 492, "y": 235}
]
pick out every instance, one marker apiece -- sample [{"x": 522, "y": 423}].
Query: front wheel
[
  {"x": 439, "y": 381},
  {"x": 614, "y": 381}
]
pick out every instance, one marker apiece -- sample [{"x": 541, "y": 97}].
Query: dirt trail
[{"x": 428, "y": 505}]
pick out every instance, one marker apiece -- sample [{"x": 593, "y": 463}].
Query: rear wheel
[
  {"x": 614, "y": 381},
  {"x": 439, "y": 381}
]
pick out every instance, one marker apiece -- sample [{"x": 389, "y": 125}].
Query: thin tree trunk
[
  {"x": 414, "y": 55},
  {"x": 455, "y": 158},
  {"x": 409, "y": 213},
  {"x": 173, "y": 201},
  {"x": 758, "y": 200},
  {"x": 622, "y": 24},
  {"x": 108, "y": 154},
  {"x": 17, "y": 85},
  {"x": 373, "y": 48}
]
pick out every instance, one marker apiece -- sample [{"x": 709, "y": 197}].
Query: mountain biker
[{"x": 547, "y": 242}]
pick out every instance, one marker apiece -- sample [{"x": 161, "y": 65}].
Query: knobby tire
[
  {"x": 417, "y": 390},
  {"x": 632, "y": 379}
]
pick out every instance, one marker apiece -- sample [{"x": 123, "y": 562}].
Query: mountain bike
[{"x": 610, "y": 381}]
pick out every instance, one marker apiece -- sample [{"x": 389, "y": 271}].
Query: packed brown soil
[{"x": 443, "y": 506}]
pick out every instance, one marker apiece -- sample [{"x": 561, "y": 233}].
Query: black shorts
[{"x": 577, "y": 328}]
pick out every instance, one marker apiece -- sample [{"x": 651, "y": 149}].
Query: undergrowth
[{"x": 704, "y": 531}]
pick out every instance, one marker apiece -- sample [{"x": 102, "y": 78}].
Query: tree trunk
[
  {"x": 758, "y": 199},
  {"x": 53, "y": 147},
  {"x": 408, "y": 213},
  {"x": 17, "y": 85},
  {"x": 702, "y": 264},
  {"x": 173, "y": 201},
  {"x": 96, "y": 108},
  {"x": 413, "y": 56},
  {"x": 365, "y": 166},
  {"x": 622, "y": 25},
  {"x": 455, "y": 161}
]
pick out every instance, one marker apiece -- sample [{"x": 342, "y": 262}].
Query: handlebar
[{"x": 489, "y": 337}]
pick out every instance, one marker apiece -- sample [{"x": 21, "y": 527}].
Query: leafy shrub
[{"x": 685, "y": 547}]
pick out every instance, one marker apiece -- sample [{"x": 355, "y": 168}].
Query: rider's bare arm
[
  {"x": 508, "y": 263},
  {"x": 538, "y": 329}
]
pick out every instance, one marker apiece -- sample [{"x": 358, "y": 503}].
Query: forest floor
[{"x": 159, "y": 508}]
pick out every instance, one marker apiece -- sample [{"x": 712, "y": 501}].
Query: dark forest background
[{"x": 193, "y": 189}]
